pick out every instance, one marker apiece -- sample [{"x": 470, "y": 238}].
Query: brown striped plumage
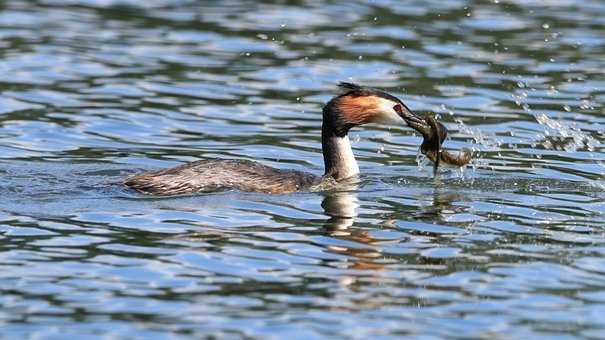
[{"x": 434, "y": 133}]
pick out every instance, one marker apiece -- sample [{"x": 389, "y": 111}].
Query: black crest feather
[
  {"x": 358, "y": 90},
  {"x": 345, "y": 86}
]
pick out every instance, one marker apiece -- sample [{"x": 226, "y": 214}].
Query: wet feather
[
  {"x": 219, "y": 175},
  {"x": 434, "y": 134}
]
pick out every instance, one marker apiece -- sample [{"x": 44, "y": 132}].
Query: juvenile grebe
[
  {"x": 434, "y": 133},
  {"x": 356, "y": 105}
]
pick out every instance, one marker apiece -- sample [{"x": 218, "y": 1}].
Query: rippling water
[{"x": 95, "y": 90}]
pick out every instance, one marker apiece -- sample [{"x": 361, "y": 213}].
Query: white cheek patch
[{"x": 386, "y": 113}]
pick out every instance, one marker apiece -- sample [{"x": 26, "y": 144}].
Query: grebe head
[
  {"x": 359, "y": 105},
  {"x": 356, "y": 105}
]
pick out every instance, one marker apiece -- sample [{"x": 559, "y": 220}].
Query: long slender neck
[{"x": 339, "y": 160}]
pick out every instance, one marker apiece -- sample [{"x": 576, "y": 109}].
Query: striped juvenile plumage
[{"x": 434, "y": 133}]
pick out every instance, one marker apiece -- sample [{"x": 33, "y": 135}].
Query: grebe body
[
  {"x": 221, "y": 174},
  {"x": 356, "y": 105}
]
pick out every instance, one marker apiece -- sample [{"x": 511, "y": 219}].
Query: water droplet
[{"x": 586, "y": 105}]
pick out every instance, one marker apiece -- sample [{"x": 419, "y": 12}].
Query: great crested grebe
[{"x": 356, "y": 105}]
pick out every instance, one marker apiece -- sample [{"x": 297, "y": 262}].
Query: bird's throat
[{"x": 339, "y": 160}]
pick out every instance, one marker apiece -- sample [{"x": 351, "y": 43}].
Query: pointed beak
[{"x": 416, "y": 122}]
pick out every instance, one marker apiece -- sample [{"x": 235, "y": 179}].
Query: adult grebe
[{"x": 356, "y": 105}]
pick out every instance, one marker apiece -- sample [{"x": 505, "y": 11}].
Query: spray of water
[
  {"x": 574, "y": 138},
  {"x": 559, "y": 134},
  {"x": 554, "y": 135}
]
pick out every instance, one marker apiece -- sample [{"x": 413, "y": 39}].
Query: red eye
[{"x": 398, "y": 109}]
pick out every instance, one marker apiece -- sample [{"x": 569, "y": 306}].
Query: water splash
[
  {"x": 562, "y": 135},
  {"x": 481, "y": 142},
  {"x": 573, "y": 139},
  {"x": 557, "y": 134}
]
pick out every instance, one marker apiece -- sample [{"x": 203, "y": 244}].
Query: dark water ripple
[{"x": 94, "y": 90}]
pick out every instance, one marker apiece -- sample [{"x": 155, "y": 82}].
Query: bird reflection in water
[{"x": 342, "y": 207}]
